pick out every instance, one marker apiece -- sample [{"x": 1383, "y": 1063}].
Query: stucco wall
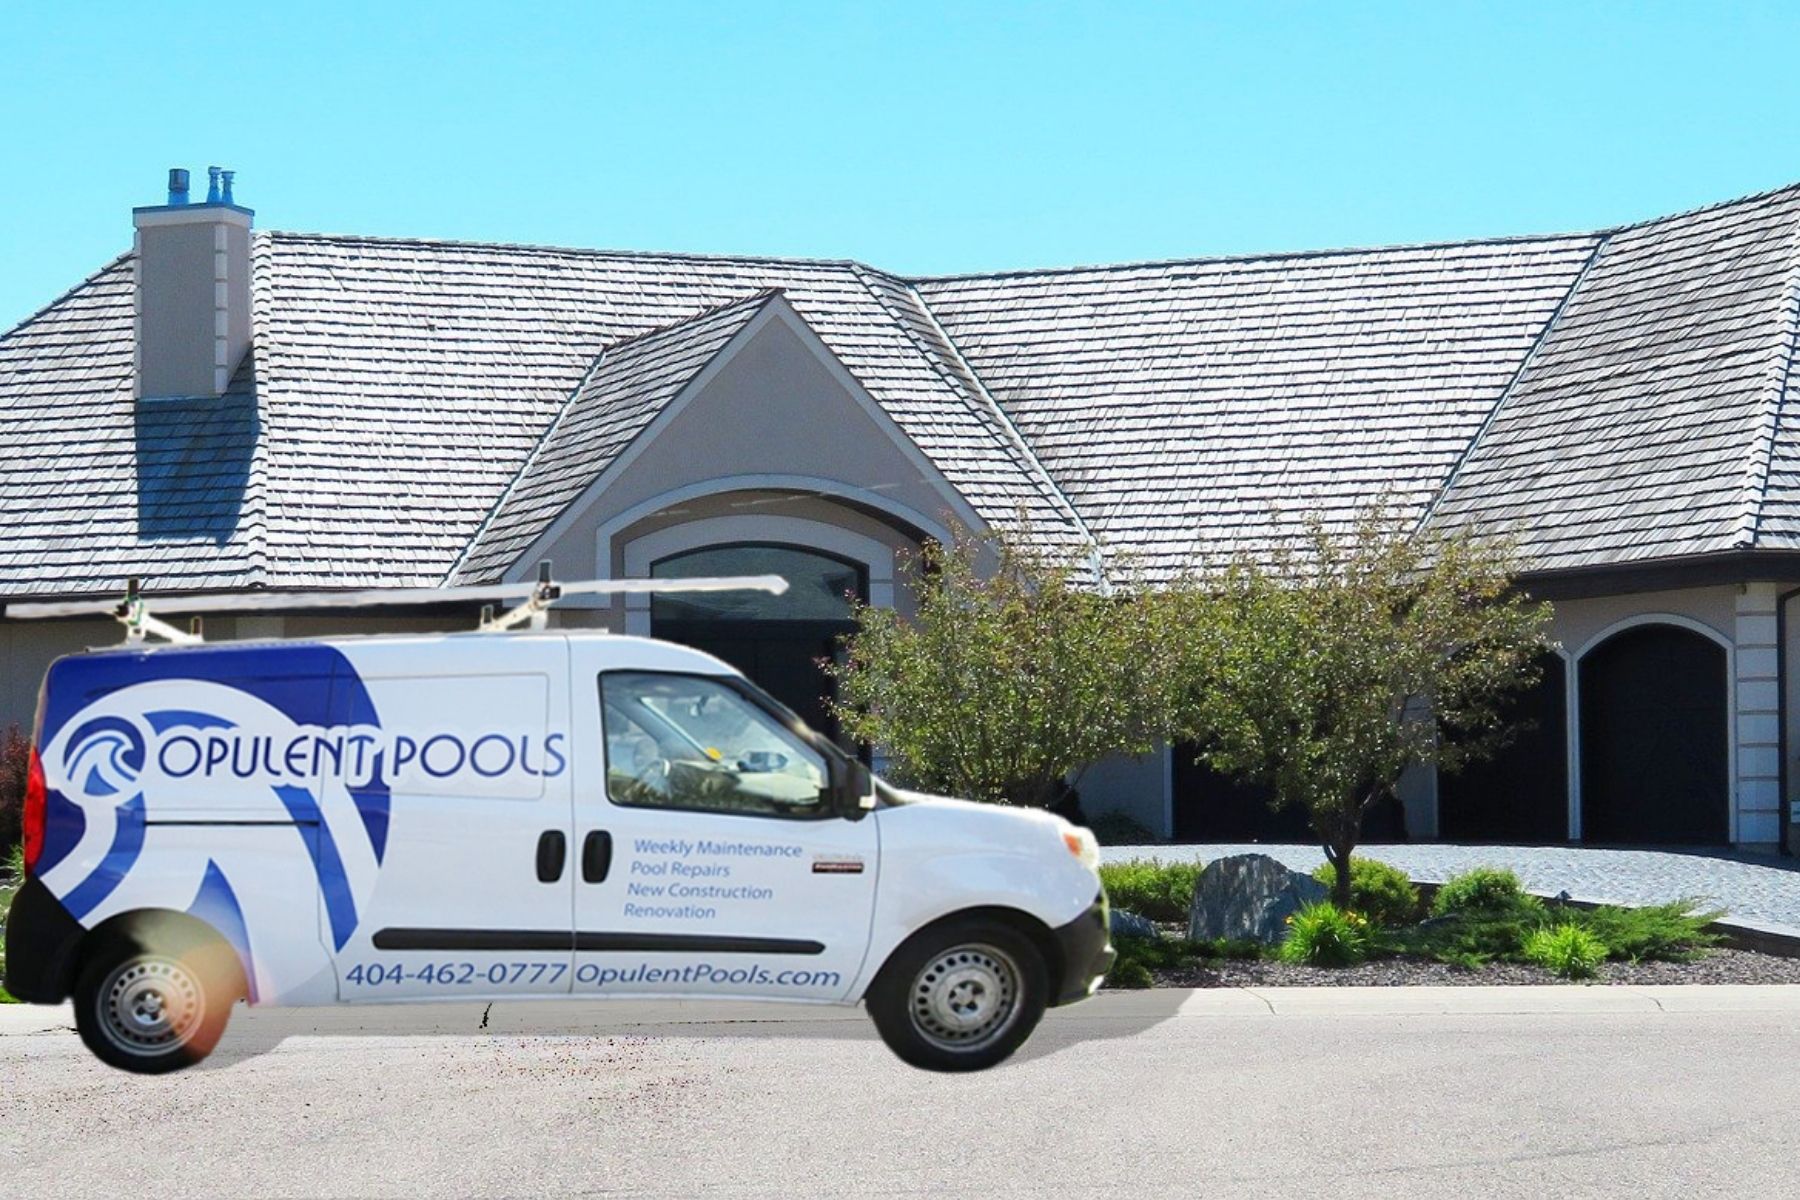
[
  {"x": 1134, "y": 787},
  {"x": 1579, "y": 621}
]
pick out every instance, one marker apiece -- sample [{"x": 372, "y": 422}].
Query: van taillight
[{"x": 34, "y": 810}]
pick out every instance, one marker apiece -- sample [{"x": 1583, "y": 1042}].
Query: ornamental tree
[
  {"x": 1014, "y": 675},
  {"x": 1329, "y": 667}
]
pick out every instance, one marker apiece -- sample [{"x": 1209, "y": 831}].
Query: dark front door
[
  {"x": 1654, "y": 762},
  {"x": 778, "y": 641},
  {"x": 782, "y": 657},
  {"x": 1521, "y": 794}
]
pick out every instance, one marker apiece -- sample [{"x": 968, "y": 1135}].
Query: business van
[{"x": 528, "y": 815}]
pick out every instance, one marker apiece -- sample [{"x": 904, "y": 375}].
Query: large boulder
[
  {"x": 1129, "y": 924},
  {"x": 1249, "y": 897}
]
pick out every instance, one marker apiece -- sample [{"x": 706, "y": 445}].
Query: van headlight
[{"x": 1083, "y": 845}]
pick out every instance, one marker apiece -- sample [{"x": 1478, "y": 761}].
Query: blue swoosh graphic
[
  {"x": 340, "y": 905},
  {"x": 172, "y": 718},
  {"x": 217, "y": 905},
  {"x": 128, "y": 840}
]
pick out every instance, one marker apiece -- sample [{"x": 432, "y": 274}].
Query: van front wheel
[
  {"x": 961, "y": 996},
  {"x": 150, "y": 1008}
]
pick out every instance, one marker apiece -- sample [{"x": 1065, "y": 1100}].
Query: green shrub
[
  {"x": 1129, "y": 972},
  {"x": 1378, "y": 891},
  {"x": 1673, "y": 932},
  {"x": 1567, "y": 950},
  {"x": 1323, "y": 935},
  {"x": 1140, "y": 958},
  {"x": 1154, "y": 889},
  {"x": 1474, "y": 937},
  {"x": 1486, "y": 890},
  {"x": 1117, "y": 829}
]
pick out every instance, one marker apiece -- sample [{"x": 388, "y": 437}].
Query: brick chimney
[{"x": 193, "y": 290}]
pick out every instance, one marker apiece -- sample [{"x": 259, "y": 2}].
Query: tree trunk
[{"x": 1340, "y": 862}]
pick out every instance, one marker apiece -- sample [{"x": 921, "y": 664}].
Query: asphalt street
[{"x": 1496, "y": 1092}]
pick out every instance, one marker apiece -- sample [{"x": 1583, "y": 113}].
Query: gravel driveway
[{"x": 1757, "y": 888}]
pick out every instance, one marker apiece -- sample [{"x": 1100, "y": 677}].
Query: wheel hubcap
[
  {"x": 150, "y": 1005},
  {"x": 965, "y": 997}
]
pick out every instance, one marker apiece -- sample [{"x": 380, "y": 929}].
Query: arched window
[{"x": 819, "y": 585}]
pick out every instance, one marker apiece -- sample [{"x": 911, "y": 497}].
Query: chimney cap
[{"x": 218, "y": 197}]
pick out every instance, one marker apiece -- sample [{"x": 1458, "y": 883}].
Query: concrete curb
[{"x": 698, "y": 1018}]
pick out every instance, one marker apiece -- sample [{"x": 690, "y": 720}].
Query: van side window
[{"x": 684, "y": 741}]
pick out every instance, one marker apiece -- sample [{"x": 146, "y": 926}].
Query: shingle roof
[
  {"x": 628, "y": 385},
  {"x": 410, "y": 380},
  {"x": 1643, "y": 425},
  {"x": 1198, "y": 408},
  {"x": 95, "y": 486},
  {"x": 410, "y": 405}
]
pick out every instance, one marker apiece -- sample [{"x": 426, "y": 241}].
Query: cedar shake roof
[
  {"x": 1643, "y": 425},
  {"x": 412, "y": 410},
  {"x": 629, "y": 384}
]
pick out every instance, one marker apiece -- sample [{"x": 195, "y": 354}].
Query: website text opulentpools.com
[{"x": 589, "y": 975}]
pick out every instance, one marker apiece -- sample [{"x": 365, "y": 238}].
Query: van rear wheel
[
  {"x": 152, "y": 1005},
  {"x": 961, "y": 996}
]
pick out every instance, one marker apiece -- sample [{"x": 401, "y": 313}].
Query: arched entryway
[
  {"x": 778, "y": 641},
  {"x": 1521, "y": 794},
  {"x": 1655, "y": 763}
]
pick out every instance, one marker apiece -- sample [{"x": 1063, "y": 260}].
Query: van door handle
[
  {"x": 553, "y": 848},
  {"x": 596, "y": 856}
]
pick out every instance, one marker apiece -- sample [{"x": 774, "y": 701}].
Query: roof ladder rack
[
  {"x": 536, "y": 608},
  {"x": 135, "y": 616},
  {"x": 530, "y": 601}
]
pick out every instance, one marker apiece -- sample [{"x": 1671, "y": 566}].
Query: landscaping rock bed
[{"x": 1717, "y": 966}]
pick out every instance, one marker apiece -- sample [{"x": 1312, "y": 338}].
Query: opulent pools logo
[
  {"x": 356, "y": 756},
  {"x": 104, "y": 757}
]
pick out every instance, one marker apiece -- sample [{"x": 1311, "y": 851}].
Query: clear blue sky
[{"x": 918, "y": 137}]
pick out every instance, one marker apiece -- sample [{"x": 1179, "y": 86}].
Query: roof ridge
[
  {"x": 807, "y": 261},
  {"x": 1543, "y": 336},
  {"x": 1009, "y": 431},
  {"x": 551, "y": 248},
  {"x": 44, "y": 310},
  {"x": 1768, "y": 419},
  {"x": 1265, "y": 256},
  {"x": 1715, "y": 206},
  {"x": 756, "y": 297}
]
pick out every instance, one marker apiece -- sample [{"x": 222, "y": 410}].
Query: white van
[{"x": 532, "y": 815}]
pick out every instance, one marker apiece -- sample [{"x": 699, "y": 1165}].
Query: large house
[{"x": 223, "y": 407}]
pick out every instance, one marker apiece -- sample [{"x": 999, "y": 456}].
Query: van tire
[
  {"x": 151, "y": 1002},
  {"x": 961, "y": 995}
]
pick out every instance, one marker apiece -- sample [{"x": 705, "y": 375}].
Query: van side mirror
[{"x": 855, "y": 789}]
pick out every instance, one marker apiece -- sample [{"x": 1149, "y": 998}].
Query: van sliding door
[{"x": 469, "y": 806}]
